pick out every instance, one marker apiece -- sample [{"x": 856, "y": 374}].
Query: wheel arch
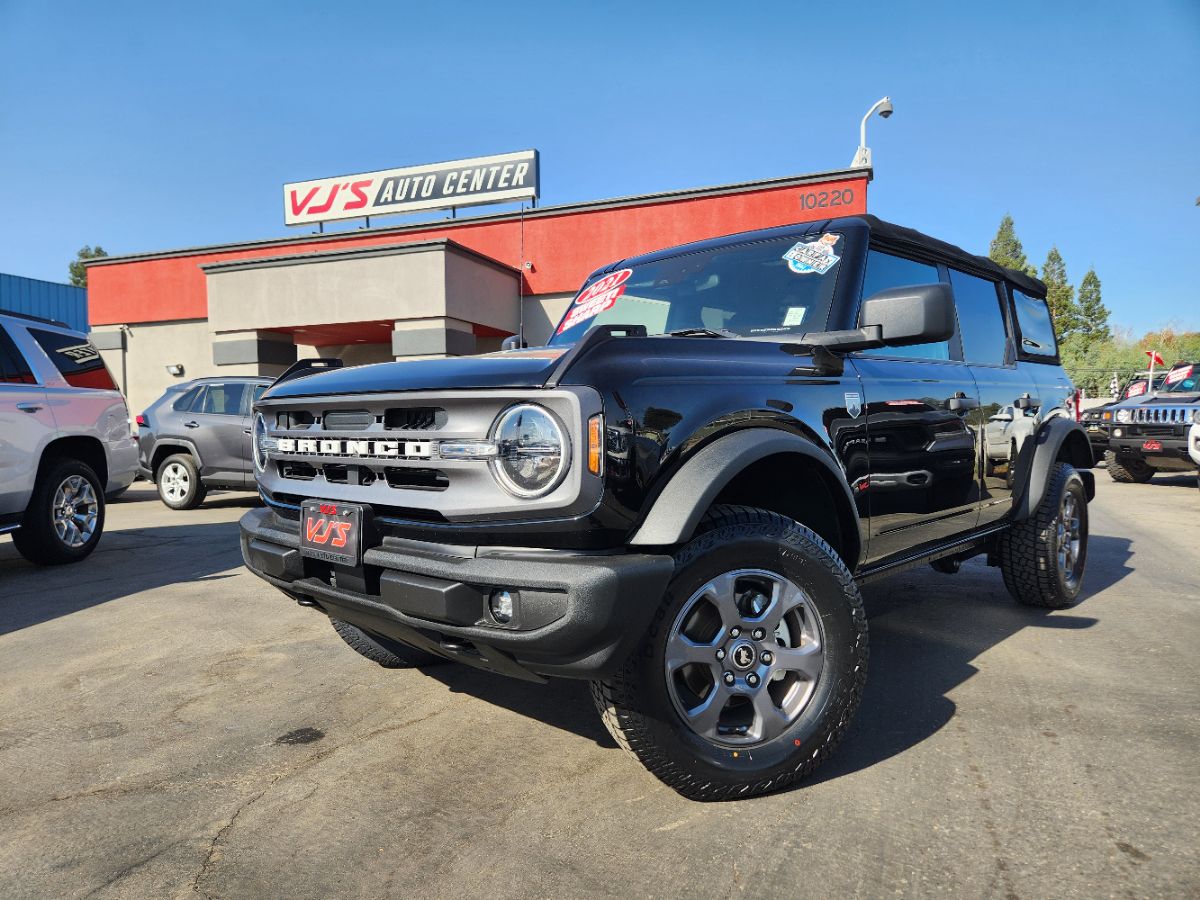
[
  {"x": 1058, "y": 440},
  {"x": 163, "y": 449},
  {"x": 89, "y": 450},
  {"x": 767, "y": 468}
]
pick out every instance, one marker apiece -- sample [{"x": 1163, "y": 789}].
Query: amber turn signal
[{"x": 595, "y": 444}]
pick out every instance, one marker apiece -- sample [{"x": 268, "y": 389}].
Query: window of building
[
  {"x": 980, "y": 319},
  {"x": 78, "y": 361},
  {"x": 886, "y": 271},
  {"x": 1033, "y": 321},
  {"x": 13, "y": 367}
]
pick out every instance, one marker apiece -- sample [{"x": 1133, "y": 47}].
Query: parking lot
[{"x": 169, "y": 726}]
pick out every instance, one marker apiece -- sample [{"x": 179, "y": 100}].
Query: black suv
[
  {"x": 196, "y": 438},
  {"x": 678, "y": 498},
  {"x": 1153, "y": 435}
]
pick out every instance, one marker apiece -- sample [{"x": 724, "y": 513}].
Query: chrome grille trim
[{"x": 1163, "y": 415}]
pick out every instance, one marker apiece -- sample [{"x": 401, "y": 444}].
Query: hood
[
  {"x": 513, "y": 369},
  {"x": 1182, "y": 398}
]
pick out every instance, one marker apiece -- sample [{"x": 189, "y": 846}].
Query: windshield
[
  {"x": 763, "y": 289},
  {"x": 1183, "y": 380}
]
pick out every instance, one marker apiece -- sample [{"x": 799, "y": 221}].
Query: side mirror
[
  {"x": 513, "y": 342},
  {"x": 921, "y": 314}
]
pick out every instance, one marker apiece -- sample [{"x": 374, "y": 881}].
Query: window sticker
[
  {"x": 1179, "y": 374},
  {"x": 794, "y": 316},
  {"x": 596, "y": 298},
  {"x": 1136, "y": 389},
  {"x": 813, "y": 256}
]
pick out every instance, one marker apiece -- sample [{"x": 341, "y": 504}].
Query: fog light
[
  {"x": 502, "y": 606},
  {"x": 1117, "y": 432}
]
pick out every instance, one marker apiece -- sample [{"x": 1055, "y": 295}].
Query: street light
[{"x": 862, "y": 159}]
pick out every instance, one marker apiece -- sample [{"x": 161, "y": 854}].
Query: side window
[
  {"x": 13, "y": 367},
  {"x": 1033, "y": 323},
  {"x": 78, "y": 361},
  {"x": 187, "y": 402},
  {"x": 224, "y": 399},
  {"x": 258, "y": 391},
  {"x": 886, "y": 271},
  {"x": 980, "y": 319}
]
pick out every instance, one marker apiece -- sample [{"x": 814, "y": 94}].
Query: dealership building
[{"x": 452, "y": 287}]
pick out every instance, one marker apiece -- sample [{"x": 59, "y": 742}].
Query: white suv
[{"x": 65, "y": 440}]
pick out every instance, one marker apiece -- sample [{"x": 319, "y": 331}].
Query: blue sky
[{"x": 158, "y": 125}]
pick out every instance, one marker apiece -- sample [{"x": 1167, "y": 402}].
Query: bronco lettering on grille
[{"x": 356, "y": 448}]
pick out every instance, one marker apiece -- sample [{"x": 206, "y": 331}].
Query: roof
[{"x": 905, "y": 239}]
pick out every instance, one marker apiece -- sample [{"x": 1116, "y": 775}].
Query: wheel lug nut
[
  {"x": 752, "y": 680},
  {"x": 729, "y": 678},
  {"x": 759, "y": 634},
  {"x": 767, "y": 657},
  {"x": 734, "y": 632},
  {"x": 721, "y": 654}
]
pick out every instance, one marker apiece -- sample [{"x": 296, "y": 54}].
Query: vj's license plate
[
  {"x": 1153, "y": 446},
  {"x": 331, "y": 531}
]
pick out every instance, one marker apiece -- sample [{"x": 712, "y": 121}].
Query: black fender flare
[
  {"x": 1048, "y": 444},
  {"x": 696, "y": 484}
]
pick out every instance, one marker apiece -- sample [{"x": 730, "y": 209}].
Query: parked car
[
  {"x": 1098, "y": 420},
  {"x": 196, "y": 438},
  {"x": 678, "y": 498},
  {"x": 1153, "y": 435},
  {"x": 65, "y": 439}
]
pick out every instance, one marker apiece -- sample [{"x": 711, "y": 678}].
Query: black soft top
[
  {"x": 900, "y": 236},
  {"x": 902, "y": 239}
]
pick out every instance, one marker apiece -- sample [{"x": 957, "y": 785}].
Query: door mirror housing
[{"x": 920, "y": 314}]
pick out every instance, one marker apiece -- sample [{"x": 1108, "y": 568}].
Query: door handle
[
  {"x": 191, "y": 424},
  {"x": 960, "y": 402},
  {"x": 246, "y": 431},
  {"x": 29, "y": 407}
]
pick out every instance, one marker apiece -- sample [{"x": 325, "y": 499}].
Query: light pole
[{"x": 862, "y": 159}]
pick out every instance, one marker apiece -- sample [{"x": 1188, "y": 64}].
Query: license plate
[
  {"x": 331, "y": 531},
  {"x": 1152, "y": 445}
]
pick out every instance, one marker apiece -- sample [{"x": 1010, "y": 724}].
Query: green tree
[
  {"x": 1060, "y": 296},
  {"x": 1006, "y": 248},
  {"x": 77, "y": 269},
  {"x": 1093, "y": 314}
]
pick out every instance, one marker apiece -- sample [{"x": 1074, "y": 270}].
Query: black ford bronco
[{"x": 678, "y": 497}]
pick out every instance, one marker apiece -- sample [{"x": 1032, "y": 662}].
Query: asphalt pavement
[{"x": 170, "y": 726}]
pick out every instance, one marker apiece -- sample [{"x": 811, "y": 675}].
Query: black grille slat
[
  {"x": 416, "y": 479},
  {"x": 347, "y": 420},
  {"x": 412, "y": 418}
]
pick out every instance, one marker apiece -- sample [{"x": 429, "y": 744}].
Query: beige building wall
[
  {"x": 150, "y": 348},
  {"x": 542, "y": 314}
]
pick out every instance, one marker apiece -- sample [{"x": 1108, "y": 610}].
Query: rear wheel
[
  {"x": 1127, "y": 470},
  {"x": 65, "y": 516},
  {"x": 378, "y": 649},
  {"x": 753, "y": 666},
  {"x": 179, "y": 484},
  {"x": 1042, "y": 558}
]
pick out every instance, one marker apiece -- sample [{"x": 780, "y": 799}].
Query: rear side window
[
  {"x": 224, "y": 399},
  {"x": 886, "y": 271},
  {"x": 187, "y": 402},
  {"x": 1033, "y": 321},
  {"x": 980, "y": 319},
  {"x": 78, "y": 361},
  {"x": 259, "y": 390},
  {"x": 13, "y": 367}
]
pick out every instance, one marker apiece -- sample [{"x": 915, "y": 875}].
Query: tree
[
  {"x": 77, "y": 269},
  {"x": 1093, "y": 314},
  {"x": 1060, "y": 296},
  {"x": 1006, "y": 248}
]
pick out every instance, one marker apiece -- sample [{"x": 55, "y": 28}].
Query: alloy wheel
[
  {"x": 75, "y": 511},
  {"x": 175, "y": 482},
  {"x": 1068, "y": 528},
  {"x": 744, "y": 656}
]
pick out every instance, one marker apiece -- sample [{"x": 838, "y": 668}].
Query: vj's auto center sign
[{"x": 463, "y": 182}]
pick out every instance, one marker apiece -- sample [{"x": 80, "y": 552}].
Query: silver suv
[
  {"x": 196, "y": 438},
  {"x": 65, "y": 440}
]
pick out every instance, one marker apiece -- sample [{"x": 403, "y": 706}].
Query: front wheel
[
  {"x": 1042, "y": 558},
  {"x": 1127, "y": 470},
  {"x": 753, "y": 666}
]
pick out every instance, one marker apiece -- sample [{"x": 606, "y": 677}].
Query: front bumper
[
  {"x": 1173, "y": 456},
  {"x": 578, "y": 615}
]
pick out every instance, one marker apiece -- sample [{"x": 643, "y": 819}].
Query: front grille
[
  {"x": 1156, "y": 430},
  {"x": 347, "y": 420},
  {"x": 1163, "y": 415},
  {"x": 413, "y": 418},
  {"x": 294, "y": 419},
  {"x": 416, "y": 479}
]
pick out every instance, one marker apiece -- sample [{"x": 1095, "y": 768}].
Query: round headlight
[
  {"x": 260, "y": 442},
  {"x": 1122, "y": 416},
  {"x": 532, "y": 451}
]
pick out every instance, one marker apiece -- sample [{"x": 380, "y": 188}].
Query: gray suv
[{"x": 196, "y": 437}]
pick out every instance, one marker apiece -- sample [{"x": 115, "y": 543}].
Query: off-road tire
[
  {"x": 36, "y": 539},
  {"x": 1132, "y": 471},
  {"x": 389, "y": 654},
  {"x": 634, "y": 702},
  {"x": 196, "y": 491},
  {"x": 1027, "y": 549}
]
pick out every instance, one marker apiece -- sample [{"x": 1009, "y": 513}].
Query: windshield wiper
[{"x": 703, "y": 332}]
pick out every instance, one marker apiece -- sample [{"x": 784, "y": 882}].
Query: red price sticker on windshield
[
  {"x": 1179, "y": 374},
  {"x": 596, "y": 298},
  {"x": 1136, "y": 389}
]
